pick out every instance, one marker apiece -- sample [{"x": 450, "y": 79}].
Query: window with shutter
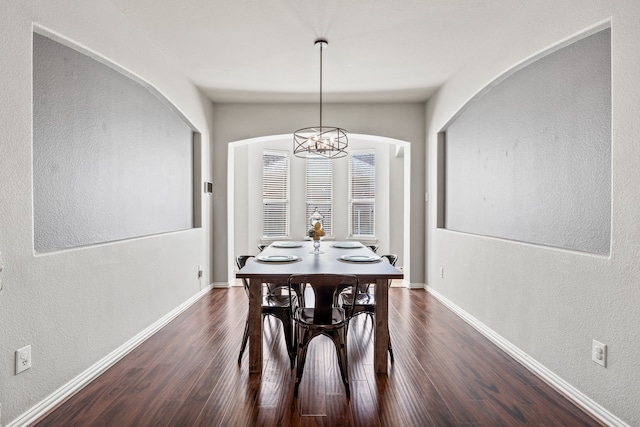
[
  {"x": 319, "y": 191},
  {"x": 362, "y": 193},
  {"x": 275, "y": 193}
]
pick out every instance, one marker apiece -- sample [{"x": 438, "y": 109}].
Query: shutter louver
[
  {"x": 362, "y": 175},
  {"x": 320, "y": 191},
  {"x": 275, "y": 194}
]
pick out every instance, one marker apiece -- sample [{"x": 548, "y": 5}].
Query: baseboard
[
  {"x": 222, "y": 284},
  {"x": 409, "y": 285},
  {"x": 563, "y": 387},
  {"x": 76, "y": 384}
]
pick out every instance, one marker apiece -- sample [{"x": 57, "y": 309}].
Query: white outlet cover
[
  {"x": 599, "y": 353},
  {"x": 23, "y": 359}
]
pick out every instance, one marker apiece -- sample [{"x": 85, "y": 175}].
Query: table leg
[
  {"x": 381, "y": 337},
  {"x": 255, "y": 325}
]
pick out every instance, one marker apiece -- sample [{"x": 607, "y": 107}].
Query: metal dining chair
[
  {"x": 278, "y": 306},
  {"x": 272, "y": 288},
  {"x": 374, "y": 248},
  {"x": 324, "y": 318},
  {"x": 365, "y": 301}
]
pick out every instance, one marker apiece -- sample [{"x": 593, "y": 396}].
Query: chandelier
[{"x": 325, "y": 141}]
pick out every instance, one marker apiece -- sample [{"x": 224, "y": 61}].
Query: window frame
[
  {"x": 271, "y": 200},
  {"x": 311, "y": 203},
  {"x": 354, "y": 201}
]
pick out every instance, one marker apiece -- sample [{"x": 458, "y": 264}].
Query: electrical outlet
[
  {"x": 23, "y": 359},
  {"x": 442, "y": 272},
  {"x": 599, "y": 353},
  {"x": 200, "y": 271}
]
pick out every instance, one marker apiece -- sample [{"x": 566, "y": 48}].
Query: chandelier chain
[{"x": 321, "y": 47}]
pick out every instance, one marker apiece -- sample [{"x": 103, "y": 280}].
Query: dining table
[{"x": 281, "y": 259}]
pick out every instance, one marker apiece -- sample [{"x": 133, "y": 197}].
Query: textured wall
[
  {"x": 78, "y": 305},
  {"x": 111, "y": 160},
  {"x": 530, "y": 158},
  {"x": 551, "y": 302}
]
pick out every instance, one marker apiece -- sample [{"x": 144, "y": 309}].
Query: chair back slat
[
  {"x": 391, "y": 257},
  {"x": 323, "y": 308}
]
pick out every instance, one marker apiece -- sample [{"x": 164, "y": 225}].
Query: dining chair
[
  {"x": 365, "y": 301},
  {"x": 276, "y": 305},
  {"x": 374, "y": 248},
  {"x": 272, "y": 288},
  {"x": 323, "y": 318}
]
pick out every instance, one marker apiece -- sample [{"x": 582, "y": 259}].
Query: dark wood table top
[{"x": 328, "y": 262}]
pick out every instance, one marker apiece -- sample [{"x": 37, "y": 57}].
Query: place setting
[
  {"x": 286, "y": 245},
  {"x": 360, "y": 258},
  {"x": 277, "y": 258},
  {"x": 347, "y": 245}
]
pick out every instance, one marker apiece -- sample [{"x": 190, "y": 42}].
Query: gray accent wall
[
  {"x": 237, "y": 122},
  {"x": 529, "y": 159},
  {"x": 111, "y": 159}
]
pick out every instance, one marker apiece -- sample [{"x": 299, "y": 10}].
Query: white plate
[
  {"x": 277, "y": 258},
  {"x": 347, "y": 245},
  {"x": 286, "y": 245},
  {"x": 360, "y": 258}
]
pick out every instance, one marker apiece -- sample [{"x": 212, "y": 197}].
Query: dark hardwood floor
[{"x": 445, "y": 374}]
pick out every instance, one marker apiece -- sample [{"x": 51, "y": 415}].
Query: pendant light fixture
[{"x": 324, "y": 141}]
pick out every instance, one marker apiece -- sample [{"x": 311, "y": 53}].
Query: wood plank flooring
[{"x": 445, "y": 374}]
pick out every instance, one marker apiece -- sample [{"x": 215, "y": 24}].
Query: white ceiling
[{"x": 263, "y": 50}]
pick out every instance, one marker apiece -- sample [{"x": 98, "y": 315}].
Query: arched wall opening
[{"x": 244, "y": 181}]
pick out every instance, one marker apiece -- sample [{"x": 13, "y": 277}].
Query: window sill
[{"x": 369, "y": 239}]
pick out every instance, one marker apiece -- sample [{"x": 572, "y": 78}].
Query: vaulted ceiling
[{"x": 263, "y": 50}]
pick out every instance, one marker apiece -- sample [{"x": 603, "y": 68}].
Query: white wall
[
  {"x": 236, "y": 122},
  {"x": 248, "y": 194},
  {"x": 76, "y": 306},
  {"x": 551, "y": 303}
]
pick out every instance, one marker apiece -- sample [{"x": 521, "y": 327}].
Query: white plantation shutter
[
  {"x": 320, "y": 191},
  {"x": 362, "y": 193},
  {"x": 275, "y": 193}
]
